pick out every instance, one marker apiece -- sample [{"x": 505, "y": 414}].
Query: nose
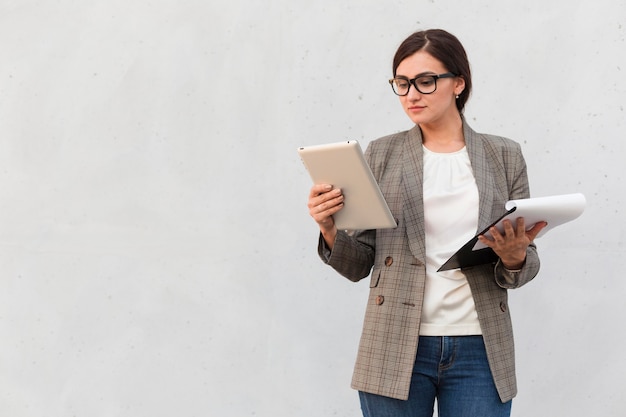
[{"x": 413, "y": 93}]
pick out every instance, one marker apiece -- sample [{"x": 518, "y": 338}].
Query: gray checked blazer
[{"x": 392, "y": 320}]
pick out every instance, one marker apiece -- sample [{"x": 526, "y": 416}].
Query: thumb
[{"x": 534, "y": 231}]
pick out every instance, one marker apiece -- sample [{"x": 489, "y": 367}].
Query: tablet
[{"x": 343, "y": 165}]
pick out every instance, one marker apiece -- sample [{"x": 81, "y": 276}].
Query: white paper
[{"x": 555, "y": 210}]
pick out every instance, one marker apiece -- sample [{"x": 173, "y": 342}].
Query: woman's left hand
[{"x": 511, "y": 245}]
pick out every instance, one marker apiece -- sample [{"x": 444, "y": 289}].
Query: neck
[{"x": 443, "y": 135}]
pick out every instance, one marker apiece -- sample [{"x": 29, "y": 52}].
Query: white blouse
[{"x": 451, "y": 219}]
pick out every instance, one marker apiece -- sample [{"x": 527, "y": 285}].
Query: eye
[
  {"x": 400, "y": 83},
  {"x": 425, "y": 81}
]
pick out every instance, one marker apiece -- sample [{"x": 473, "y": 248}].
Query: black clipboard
[
  {"x": 467, "y": 257},
  {"x": 555, "y": 210}
]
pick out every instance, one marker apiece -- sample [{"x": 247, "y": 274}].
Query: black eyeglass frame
[{"x": 412, "y": 82}]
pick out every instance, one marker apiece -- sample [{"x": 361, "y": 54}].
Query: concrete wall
[{"x": 156, "y": 254}]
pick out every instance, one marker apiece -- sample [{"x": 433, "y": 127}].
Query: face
[{"x": 429, "y": 108}]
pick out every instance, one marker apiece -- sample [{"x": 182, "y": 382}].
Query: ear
[{"x": 459, "y": 85}]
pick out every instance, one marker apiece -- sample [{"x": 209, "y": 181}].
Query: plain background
[{"x": 156, "y": 253}]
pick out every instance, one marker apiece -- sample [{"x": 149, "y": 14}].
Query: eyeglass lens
[{"x": 425, "y": 85}]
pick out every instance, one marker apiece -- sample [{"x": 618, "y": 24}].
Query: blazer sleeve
[
  {"x": 515, "y": 166},
  {"x": 352, "y": 255}
]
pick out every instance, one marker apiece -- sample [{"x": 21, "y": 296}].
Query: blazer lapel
[
  {"x": 413, "y": 169},
  {"x": 482, "y": 175}
]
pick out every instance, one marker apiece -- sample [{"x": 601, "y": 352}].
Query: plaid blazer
[{"x": 392, "y": 320}]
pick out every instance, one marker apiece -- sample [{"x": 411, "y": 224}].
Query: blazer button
[
  {"x": 503, "y": 307},
  {"x": 388, "y": 260},
  {"x": 380, "y": 300}
]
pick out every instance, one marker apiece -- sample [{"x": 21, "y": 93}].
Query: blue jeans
[{"x": 455, "y": 371}]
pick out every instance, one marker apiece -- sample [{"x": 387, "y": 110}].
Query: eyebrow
[{"x": 421, "y": 74}]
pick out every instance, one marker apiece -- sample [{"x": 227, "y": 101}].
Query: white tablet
[{"x": 343, "y": 165}]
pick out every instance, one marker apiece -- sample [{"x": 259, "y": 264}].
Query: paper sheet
[{"x": 555, "y": 210}]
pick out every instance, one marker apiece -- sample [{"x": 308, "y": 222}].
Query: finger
[
  {"x": 325, "y": 217},
  {"x": 496, "y": 234},
  {"x": 509, "y": 232},
  {"x": 486, "y": 241},
  {"x": 534, "y": 231},
  {"x": 520, "y": 226},
  {"x": 316, "y": 199},
  {"x": 319, "y": 189},
  {"x": 326, "y": 204},
  {"x": 331, "y": 205}
]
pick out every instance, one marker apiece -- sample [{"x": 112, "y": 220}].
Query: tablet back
[{"x": 343, "y": 165}]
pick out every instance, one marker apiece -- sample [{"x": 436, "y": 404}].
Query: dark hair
[{"x": 446, "y": 48}]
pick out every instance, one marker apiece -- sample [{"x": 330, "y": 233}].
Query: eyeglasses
[{"x": 425, "y": 84}]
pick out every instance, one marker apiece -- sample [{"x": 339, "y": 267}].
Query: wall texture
[{"x": 156, "y": 254}]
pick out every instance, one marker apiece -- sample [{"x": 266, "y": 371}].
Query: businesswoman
[{"x": 435, "y": 335}]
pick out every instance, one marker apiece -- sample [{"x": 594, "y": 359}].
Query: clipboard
[
  {"x": 467, "y": 256},
  {"x": 555, "y": 210},
  {"x": 343, "y": 165}
]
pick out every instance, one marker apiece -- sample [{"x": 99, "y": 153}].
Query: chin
[{"x": 418, "y": 120}]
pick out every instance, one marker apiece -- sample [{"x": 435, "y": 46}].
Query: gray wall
[{"x": 156, "y": 254}]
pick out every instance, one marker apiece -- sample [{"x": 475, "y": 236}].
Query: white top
[{"x": 451, "y": 219}]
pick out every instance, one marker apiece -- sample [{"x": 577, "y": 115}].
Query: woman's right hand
[{"x": 324, "y": 201}]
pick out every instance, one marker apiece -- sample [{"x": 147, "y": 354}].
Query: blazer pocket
[{"x": 375, "y": 278}]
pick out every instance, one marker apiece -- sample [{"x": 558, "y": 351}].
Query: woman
[{"x": 435, "y": 335}]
